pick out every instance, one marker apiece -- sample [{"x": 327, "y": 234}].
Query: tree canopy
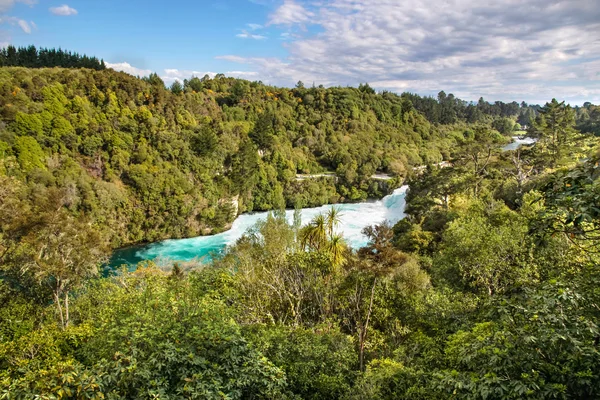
[{"x": 487, "y": 289}]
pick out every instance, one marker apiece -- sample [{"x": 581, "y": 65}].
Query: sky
[{"x": 531, "y": 50}]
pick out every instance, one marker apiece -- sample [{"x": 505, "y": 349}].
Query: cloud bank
[
  {"x": 130, "y": 69},
  {"x": 171, "y": 75},
  {"x": 6, "y": 5},
  {"x": 501, "y": 50},
  {"x": 291, "y": 13}
]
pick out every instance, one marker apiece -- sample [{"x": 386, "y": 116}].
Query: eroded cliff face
[{"x": 235, "y": 203}]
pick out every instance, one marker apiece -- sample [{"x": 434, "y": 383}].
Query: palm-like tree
[
  {"x": 336, "y": 248},
  {"x": 321, "y": 230},
  {"x": 314, "y": 235},
  {"x": 333, "y": 220},
  {"x": 320, "y": 235}
]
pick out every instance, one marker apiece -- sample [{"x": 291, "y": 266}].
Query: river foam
[{"x": 518, "y": 142}]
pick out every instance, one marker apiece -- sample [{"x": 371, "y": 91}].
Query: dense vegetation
[
  {"x": 588, "y": 118},
  {"x": 487, "y": 290},
  {"x": 148, "y": 163},
  {"x": 31, "y": 57},
  {"x": 447, "y": 109},
  {"x": 504, "y": 117}
]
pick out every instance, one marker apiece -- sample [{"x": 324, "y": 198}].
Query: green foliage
[
  {"x": 388, "y": 379},
  {"x": 487, "y": 290},
  {"x": 176, "y": 88},
  {"x": 31, "y": 57},
  {"x": 176, "y": 159},
  {"x": 448, "y": 109},
  {"x": 556, "y": 126},
  {"x": 487, "y": 249},
  {"x": 205, "y": 142},
  {"x": 504, "y": 125},
  {"x": 29, "y": 153},
  {"x": 28, "y": 124},
  {"x": 318, "y": 363},
  {"x": 144, "y": 336},
  {"x": 588, "y": 119},
  {"x": 539, "y": 347},
  {"x": 572, "y": 204},
  {"x": 168, "y": 339}
]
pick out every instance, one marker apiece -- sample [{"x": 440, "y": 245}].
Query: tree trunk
[
  {"x": 56, "y": 295},
  {"x": 363, "y": 333},
  {"x": 66, "y": 309}
]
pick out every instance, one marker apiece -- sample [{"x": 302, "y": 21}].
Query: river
[
  {"x": 518, "y": 142},
  {"x": 354, "y": 218}
]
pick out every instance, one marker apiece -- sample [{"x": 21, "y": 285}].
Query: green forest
[
  {"x": 31, "y": 57},
  {"x": 488, "y": 289}
]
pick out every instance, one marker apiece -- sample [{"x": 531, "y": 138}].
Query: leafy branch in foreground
[{"x": 572, "y": 204}]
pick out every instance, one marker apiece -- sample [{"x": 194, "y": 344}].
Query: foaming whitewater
[
  {"x": 354, "y": 218},
  {"x": 518, "y": 142}
]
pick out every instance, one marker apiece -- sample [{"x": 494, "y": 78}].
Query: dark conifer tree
[{"x": 31, "y": 57}]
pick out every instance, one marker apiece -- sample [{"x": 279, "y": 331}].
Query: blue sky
[{"x": 529, "y": 50}]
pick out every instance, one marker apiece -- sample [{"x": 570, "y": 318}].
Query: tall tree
[
  {"x": 376, "y": 263},
  {"x": 478, "y": 150},
  {"x": 556, "y": 126}
]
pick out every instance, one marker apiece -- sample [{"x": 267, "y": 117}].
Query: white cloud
[
  {"x": 290, "y": 13},
  {"x": 247, "y": 35},
  {"x": 171, "y": 75},
  {"x": 63, "y": 10},
  {"x": 6, "y": 5},
  {"x": 14, "y": 21},
  {"x": 126, "y": 67},
  {"x": 242, "y": 74},
  {"x": 235, "y": 59},
  {"x": 24, "y": 25},
  {"x": 502, "y": 50}
]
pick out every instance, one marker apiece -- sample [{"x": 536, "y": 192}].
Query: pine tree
[
  {"x": 556, "y": 126},
  {"x": 31, "y": 57}
]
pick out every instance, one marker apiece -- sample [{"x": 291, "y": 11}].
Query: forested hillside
[
  {"x": 149, "y": 163},
  {"x": 488, "y": 289}
]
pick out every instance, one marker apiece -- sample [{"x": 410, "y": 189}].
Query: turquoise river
[{"x": 354, "y": 218}]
